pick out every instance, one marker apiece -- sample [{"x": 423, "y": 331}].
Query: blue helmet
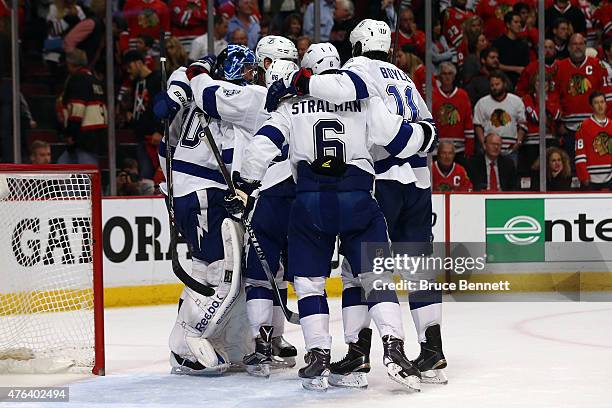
[{"x": 237, "y": 57}]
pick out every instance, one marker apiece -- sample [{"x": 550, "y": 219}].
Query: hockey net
[{"x": 51, "y": 306}]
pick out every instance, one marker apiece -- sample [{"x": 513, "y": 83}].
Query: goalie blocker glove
[
  {"x": 201, "y": 66},
  {"x": 296, "y": 84}
]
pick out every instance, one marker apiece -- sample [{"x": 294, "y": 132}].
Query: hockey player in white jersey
[
  {"x": 209, "y": 331},
  {"x": 270, "y": 216},
  {"x": 403, "y": 187},
  {"x": 334, "y": 172}
]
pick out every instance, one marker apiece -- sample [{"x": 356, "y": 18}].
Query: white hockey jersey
[
  {"x": 315, "y": 128},
  {"x": 243, "y": 107},
  {"x": 362, "y": 78},
  {"x": 193, "y": 166}
]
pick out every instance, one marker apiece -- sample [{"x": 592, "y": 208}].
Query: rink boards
[{"x": 568, "y": 240}]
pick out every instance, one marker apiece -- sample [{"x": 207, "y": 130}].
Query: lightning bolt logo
[{"x": 202, "y": 227}]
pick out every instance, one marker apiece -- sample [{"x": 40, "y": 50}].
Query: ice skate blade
[
  {"x": 351, "y": 380},
  {"x": 258, "y": 370},
  {"x": 412, "y": 382},
  {"x": 434, "y": 377},
  {"x": 210, "y": 372},
  {"x": 319, "y": 383},
  {"x": 282, "y": 362}
]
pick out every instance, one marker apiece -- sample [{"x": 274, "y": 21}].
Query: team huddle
[{"x": 324, "y": 153}]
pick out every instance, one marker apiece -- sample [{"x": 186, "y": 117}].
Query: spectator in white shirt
[
  {"x": 502, "y": 113},
  {"x": 199, "y": 47}
]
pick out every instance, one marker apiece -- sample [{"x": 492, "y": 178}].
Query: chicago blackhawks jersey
[
  {"x": 574, "y": 85},
  {"x": 453, "y": 116},
  {"x": 594, "y": 151},
  {"x": 501, "y": 117},
  {"x": 188, "y": 19},
  {"x": 146, "y": 17},
  {"x": 455, "y": 180},
  {"x": 362, "y": 78},
  {"x": 452, "y": 24},
  {"x": 492, "y": 13},
  {"x": 532, "y": 112}
]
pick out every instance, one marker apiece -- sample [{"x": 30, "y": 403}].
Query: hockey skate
[
  {"x": 258, "y": 363},
  {"x": 316, "y": 372},
  {"x": 399, "y": 368},
  {"x": 283, "y": 353},
  {"x": 431, "y": 361},
  {"x": 352, "y": 370}
]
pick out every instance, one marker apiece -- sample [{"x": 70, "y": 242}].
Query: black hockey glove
[
  {"x": 246, "y": 186},
  {"x": 430, "y": 133},
  {"x": 298, "y": 83},
  {"x": 238, "y": 206}
]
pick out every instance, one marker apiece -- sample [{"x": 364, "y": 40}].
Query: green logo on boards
[{"x": 515, "y": 230}]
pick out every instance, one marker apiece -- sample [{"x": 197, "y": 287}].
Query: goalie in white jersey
[
  {"x": 403, "y": 188},
  {"x": 334, "y": 172},
  {"x": 269, "y": 218},
  {"x": 209, "y": 332}
]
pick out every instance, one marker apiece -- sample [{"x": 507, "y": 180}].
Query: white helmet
[
  {"x": 372, "y": 35},
  {"x": 279, "y": 69},
  {"x": 275, "y": 47},
  {"x": 321, "y": 57}
]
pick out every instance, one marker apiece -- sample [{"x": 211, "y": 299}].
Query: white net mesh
[{"x": 46, "y": 269}]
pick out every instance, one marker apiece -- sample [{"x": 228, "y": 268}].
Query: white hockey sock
[
  {"x": 278, "y": 321},
  {"x": 259, "y": 312},
  {"x": 426, "y": 316},
  {"x": 388, "y": 319}
]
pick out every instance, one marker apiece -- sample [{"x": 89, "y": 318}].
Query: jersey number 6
[{"x": 325, "y": 144}]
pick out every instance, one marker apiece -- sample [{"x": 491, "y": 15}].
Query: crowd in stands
[{"x": 485, "y": 97}]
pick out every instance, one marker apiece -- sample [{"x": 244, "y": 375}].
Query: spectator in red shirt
[
  {"x": 522, "y": 86},
  {"x": 492, "y": 13},
  {"x": 188, "y": 19},
  {"x": 531, "y": 148},
  {"x": 452, "y": 21},
  {"x": 448, "y": 175},
  {"x": 146, "y": 17},
  {"x": 409, "y": 34},
  {"x": 452, "y": 112},
  {"x": 602, "y": 19},
  {"x": 593, "y": 152},
  {"x": 575, "y": 78}
]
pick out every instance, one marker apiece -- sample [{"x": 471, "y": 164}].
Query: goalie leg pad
[{"x": 207, "y": 317}]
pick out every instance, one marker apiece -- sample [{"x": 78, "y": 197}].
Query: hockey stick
[
  {"x": 176, "y": 264},
  {"x": 291, "y": 317},
  {"x": 396, "y": 40}
]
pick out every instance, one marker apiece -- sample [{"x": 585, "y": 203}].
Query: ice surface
[{"x": 521, "y": 354}]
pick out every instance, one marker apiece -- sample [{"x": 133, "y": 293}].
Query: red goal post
[{"x": 51, "y": 282}]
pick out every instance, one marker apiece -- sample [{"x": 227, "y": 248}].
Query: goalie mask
[
  {"x": 279, "y": 69},
  {"x": 321, "y": 57},
  {"x": 237, "y": 64},
  {"x": 370, "y": 35},
  {"x": 275, "y": 47}
]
